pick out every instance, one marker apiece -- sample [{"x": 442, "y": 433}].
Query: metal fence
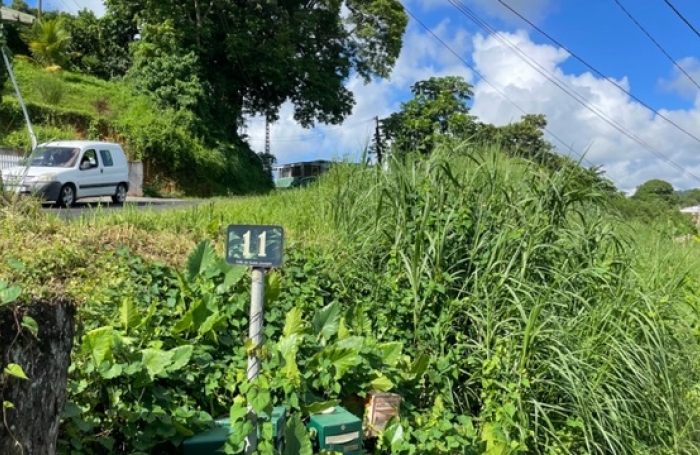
[{"x": 7, "y": 161}]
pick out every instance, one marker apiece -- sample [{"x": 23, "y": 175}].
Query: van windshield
[{"x": 54, "y": 156}]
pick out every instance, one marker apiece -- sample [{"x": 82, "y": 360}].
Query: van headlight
[{"x": 43, "y": 178}]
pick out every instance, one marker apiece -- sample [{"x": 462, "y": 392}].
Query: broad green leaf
[
  {"x": 30, "y": 324},
  {"x": 193, "y": 318},
  {"x": 155, "y": 361},
  {"x": 128, "y": 314},
  {"x": 319, "y": 406},
  {"x": 273, "y": 288},
  {"x": 288, "y": 345},
  {"x": 71, "y": 410},
  {"x": 98, "y": 344},
  {"x": 393, "y": 431},
  {"x": 112, "y": 371},
  {"x": 420, "y": 364},
  {"x": 9, "y": 294},
  {"x": 8, "y": 405},
  {"x": 341, "y": 358},
  {"x": 259, "y": 400},
  {"x": 353, "y": 342},
  {"x": 209, "y": 323},
  {"x": 201, "y": 258},
  {"x": 343, "y": 331},
  {"x": 327, "y": 320},
  {"x": 382, "y": 384},
  {"x": 15, "y": 370},
  {"x": 291, "y": 369},
  {"x": 180, "y": 356},
  {"x": 294, "y": 324},
  {"x": 391, "y": 352},
  {"x": 296, "y": 437},
  {"x": 233, "y": 276},
  {"x": 237, "y": 412},
  {"x": 496, "y": 442},
  {"x": 151, "y": 311}
]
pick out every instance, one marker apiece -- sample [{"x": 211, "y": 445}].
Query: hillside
[{"x": 70, "y": 106}]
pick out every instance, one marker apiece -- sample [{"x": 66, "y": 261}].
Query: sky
[{"x": 508, "y": 82}]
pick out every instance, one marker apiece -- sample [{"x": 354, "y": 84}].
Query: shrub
[{"x": 50, "y": 89}]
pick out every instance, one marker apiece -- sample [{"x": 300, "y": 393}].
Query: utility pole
[
  {"x": 378, "y": 141},
  {"x": 267, "y": 136},
  {"x": 39, "y": 10}
]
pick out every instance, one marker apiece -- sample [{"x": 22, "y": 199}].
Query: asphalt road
[{"x": 88, "y": 205}]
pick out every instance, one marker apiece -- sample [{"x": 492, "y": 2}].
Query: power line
[
  {"x": 641, "y": 27},
  {"x": 321, "y": 135},
  {"x": 566, "y": 89},
  {"x": 496, "y": 89},
  {"x": 595, "y": 70},
  {"x": 678, "y": 13}
]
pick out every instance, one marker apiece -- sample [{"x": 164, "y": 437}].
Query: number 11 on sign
[
  {"x": 255, "y": 246},
  {"x": 262, "y": 238}
]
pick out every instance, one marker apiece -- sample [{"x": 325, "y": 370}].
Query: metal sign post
[{"x": 260, "y": 247}]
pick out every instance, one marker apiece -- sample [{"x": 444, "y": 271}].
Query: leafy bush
[{"x": 50, "y": 89}]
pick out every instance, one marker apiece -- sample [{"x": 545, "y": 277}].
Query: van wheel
[
  {"x": 120, "y": 196},
  {"x": 66, "y": 197}
]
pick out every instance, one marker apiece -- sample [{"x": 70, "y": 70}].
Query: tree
[
  {"x": 165, "y": 71},
  {"x": 689, "y": 198},
  {"x": 657, "y": 190},
  {"x": 48, "y": 41},
  {"x": 100, "y": 46},
  {"x": 438, "y": 109},
  {"x": 251, "y": 57}
]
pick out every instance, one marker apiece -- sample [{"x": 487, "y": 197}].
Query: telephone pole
[
  {"x": 39, "y": 10},
  {"x": 267, "y": 136}
]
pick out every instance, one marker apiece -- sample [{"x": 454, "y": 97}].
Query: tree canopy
[
  {"x": 438, "y": 108},
  {"x": 657, "y": 190},
  {"x": 227, "y": 58}
]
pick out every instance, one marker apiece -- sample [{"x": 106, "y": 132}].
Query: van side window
[
  {"x": 106, "y": 158},
  {"x": 90, "y": 156}
]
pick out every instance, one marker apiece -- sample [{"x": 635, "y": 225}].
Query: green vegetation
[
  {"x": 186, "y": 75},
  {"x": 510, "y": 307},
  {"x": 65, "y": 105}
]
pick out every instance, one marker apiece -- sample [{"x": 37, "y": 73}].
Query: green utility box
[
  {"x": 211, "y": 442},
  {"x": 338, "y": 430}
]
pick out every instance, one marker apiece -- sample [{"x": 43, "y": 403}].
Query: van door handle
[{"x": 102, "y": 171}]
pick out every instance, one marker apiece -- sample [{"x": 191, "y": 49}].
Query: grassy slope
[
  {"x": 72, "y": 106},
  {"x": 82, "y": 99}
]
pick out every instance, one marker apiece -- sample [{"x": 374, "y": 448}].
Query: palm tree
[{"x": 48, "y": 41}]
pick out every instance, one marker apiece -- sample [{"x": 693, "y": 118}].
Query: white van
[{"x": 65, "y": 171}]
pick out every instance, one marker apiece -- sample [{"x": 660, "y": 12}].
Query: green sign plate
[{"x": 255, "y": 245}]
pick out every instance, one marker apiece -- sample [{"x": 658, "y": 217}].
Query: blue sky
[{"x": 596, "y": 30}]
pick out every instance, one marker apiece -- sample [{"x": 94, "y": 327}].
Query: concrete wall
[{"x": 135, "y": 178}]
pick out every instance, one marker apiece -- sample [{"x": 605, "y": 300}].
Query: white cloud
[
  {"x": 627, "y": 163},
  {"x": 680, "y": 83}
]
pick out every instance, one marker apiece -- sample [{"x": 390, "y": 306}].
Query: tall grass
[
  {"x": 528, "y": 299},
  {"x": 549, "y": 324}
]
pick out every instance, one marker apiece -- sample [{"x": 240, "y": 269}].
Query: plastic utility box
[
  {"x": 338, "y": 430},
  {"x": 211, "y": 442}
]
